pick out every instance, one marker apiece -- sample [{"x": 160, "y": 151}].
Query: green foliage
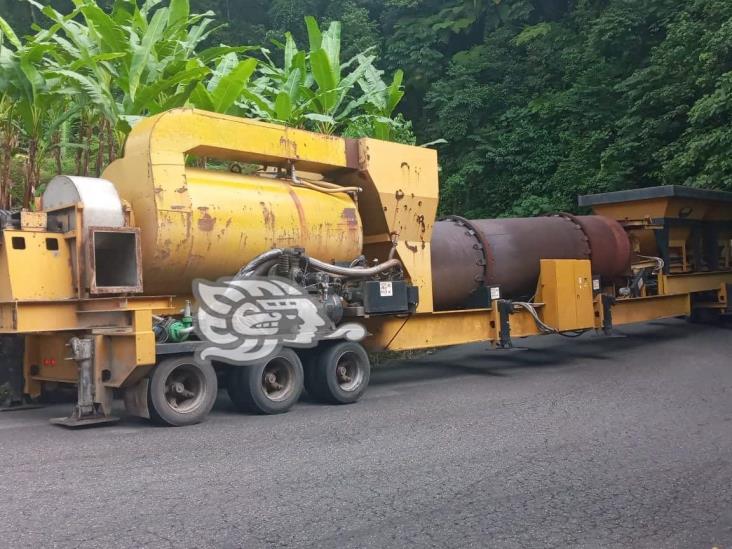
[
  {"x": 91, "y": 70},
  {"x": 313, "y": 89},
  {"x": 539, "y": 100}
]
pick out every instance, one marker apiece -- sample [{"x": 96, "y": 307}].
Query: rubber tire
[
  {"x": 160, "y": 411},
  {"x": 324, "y": 381},
  {"x": 244, "y": 386}
]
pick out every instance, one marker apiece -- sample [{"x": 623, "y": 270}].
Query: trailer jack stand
[
  {"x": 607, "y": 317},
  {"x": 86, "y": 412}
]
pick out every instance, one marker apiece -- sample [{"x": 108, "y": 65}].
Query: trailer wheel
[
  {"x": 272, "y": 387},
  {"x": 341, "y": 372},
  {"x": 181, "y": 391}
]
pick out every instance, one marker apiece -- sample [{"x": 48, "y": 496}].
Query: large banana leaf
[
  {"x": 7, "y": 31},
  {"x": 231, "y": 85},
  {"x": 180, "y": 11},
  {"x": 142, "y": 52}
]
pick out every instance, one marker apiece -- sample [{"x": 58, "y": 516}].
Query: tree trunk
[
  {"x": 31, "y": 173},
  {"x": 101, "y": 135},
  {"x": 86, "y": 152},
  {"x": 57, "y": 153},
  {"x": 111, "y": 144},
  {"x": 79, "y": 141},
  {"x": 5, "y": 165},
  {"x": 9, "y": 144}
]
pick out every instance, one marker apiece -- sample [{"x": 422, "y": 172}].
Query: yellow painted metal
[
  {"x": 198, "y": 223},
  {"x": 122, "y": 353},
  {"x": 643, "y": 309},
  {"x": 250, "y": 215},
  {"x": 658, "y": 208},
  {"x": 28, "y": 317},
  {"x": 399, "y": 204},
  {"x": 46, "y": 359},
  {"x": 693, "y": 282},
  {"x": 442, "y": 328},
  {"x": 565, "y": 288},
  {"x": 421, "y": 331},
  {"x": 29, "y": 270}
]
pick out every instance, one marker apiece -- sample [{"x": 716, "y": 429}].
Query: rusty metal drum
[{"x": 507, "y": 253}]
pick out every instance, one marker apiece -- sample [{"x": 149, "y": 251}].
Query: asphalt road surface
[{"x": 595, "y": 442}]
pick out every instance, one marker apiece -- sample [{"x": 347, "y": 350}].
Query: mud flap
[{"x": 136, "y": 399}]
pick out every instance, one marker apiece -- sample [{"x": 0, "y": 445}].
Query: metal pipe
[
  {"x": 248, "y": 269},
  {"x": 354, "y": 272},
  {"x": 261, "y": 264}
]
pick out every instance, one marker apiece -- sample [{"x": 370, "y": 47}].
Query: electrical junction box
[
  {"x": 565, "y": 288},
  {"x": 389, "y": 296}
]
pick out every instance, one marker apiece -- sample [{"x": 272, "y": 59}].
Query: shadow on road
[{"x": 555, "y": 352}]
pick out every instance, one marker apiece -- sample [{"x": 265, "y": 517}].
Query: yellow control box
[{"x": 565, "y": 289}]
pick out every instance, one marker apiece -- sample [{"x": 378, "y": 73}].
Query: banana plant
[
  {"x": 313, "y": 89},
  {"x": 137, "y": 61},
  {"x": 38, "y": 108},
  {"x": 8, "y": 93},
  {"x": 381, "y": 99},
  {"x": 227, "y": 83}
]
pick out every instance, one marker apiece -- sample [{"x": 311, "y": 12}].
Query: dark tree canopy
[{"x": 538, "y": 100}]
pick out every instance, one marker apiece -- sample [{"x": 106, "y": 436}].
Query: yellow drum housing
[{"x": 207, "y": 223}]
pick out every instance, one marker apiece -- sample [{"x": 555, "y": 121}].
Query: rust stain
[
  {"x": 349, "y": 215},
  {"x": 412, "y": 248},
  {"x": 269, "y": 217},
  {"x": 304, "y": 232},
  {"x": 206, "y": 223},
  {"x": 420, "y": 222},
  {"x": 289, "y": 146},
  {"x": 181, "y": 189}
]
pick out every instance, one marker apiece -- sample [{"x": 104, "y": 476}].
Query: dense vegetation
[
  {"x": 538, "y": 100},
  {"x": 80, "y": 82}
]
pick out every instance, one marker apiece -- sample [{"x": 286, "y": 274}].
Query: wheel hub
[
  {"x": 184, "y": 388},
  {"x": 278, "y": 379},
  {"x": 348, "y": 371},
  {"x": 343, "y": 375}
]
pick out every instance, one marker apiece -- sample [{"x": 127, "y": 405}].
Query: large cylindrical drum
[
  {"x": 507, "y": 253},
  {"x": 233, "y": 218}
]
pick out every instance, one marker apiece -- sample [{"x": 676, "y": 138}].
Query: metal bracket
[
  {"x": 482, "y": 246},
  {"x": 505, "y": 310}
]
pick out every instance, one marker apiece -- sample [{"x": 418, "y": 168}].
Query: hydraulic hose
[
  {"x": 249, "y": 268},
  {"x": 260, "y": 264},
  {"x": 354, "y": 272}
]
